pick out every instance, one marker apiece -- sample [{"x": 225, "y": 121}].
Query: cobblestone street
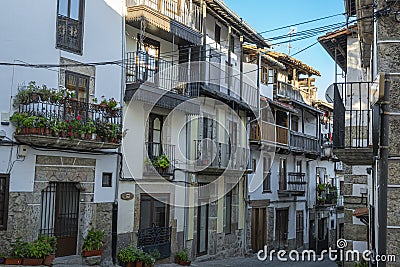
[{"x": 254, "y": 262}]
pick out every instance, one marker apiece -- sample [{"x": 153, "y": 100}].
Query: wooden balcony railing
[
  {"x": 269, "y": 132},
  {"x": 287, "y": 91},
  {"x": 304, "y": 143},
  {"x": 181, "y": 11},
  {"x": 69, "y": 34},
  {"x": 294, "y": 183}
]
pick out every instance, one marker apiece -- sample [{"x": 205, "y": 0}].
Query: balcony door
[
  {"x": 282, "y": 174},
  {"x": 154, "y": 147},
  {"x": 148, "y": 58},
  {"x": 202, "y": 229}
]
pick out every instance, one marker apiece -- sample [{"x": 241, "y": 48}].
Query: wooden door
[
  {"x": 258, "y": 229},
  {"x": 282, "y": 218}
]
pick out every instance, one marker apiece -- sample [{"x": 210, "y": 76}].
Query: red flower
[
  {"x": 79, "y": 117},
  {"x": 69, "y": 134}
]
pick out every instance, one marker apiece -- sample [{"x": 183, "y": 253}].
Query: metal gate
[
  {"x": 156, "y": 238},
  {"x": 59, "y": 216}
]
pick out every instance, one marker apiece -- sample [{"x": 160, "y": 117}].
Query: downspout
[
  {"x": 114, "y": 230},
  {"x": 384, "y": 167}
]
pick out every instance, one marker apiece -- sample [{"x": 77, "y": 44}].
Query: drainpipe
[
  {"x": 384, "y": 166},
  {"x": 114, "y": 230}
]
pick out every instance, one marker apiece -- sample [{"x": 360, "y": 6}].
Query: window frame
[
  {"x": 6, "y": 177},
  {"x": 110, "y": 184},
  {"x": 80, "y": 21},
  {"x": 266, "y": 175},
  {"x": 217, "y": 37},
  {"x": 153, "y": 200},
  {"x": 78, "y": 75}
]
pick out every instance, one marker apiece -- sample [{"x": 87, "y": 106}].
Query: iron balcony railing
[
  {"x": 287, "y": 91},
  {"x": 294, "y": 182},
  {"x": 217, "y": 155},
  {"x": 352, "y": 127},
  {"x": 304, "y": 143},
  {"x": 156, "y": 153},
  {"x": 68, "y": 118},
  {"x": 69, "y": 34},
  {"x": 184, "y": 12},
  {"x": 187, "y": 79},
  {"x": 156, "y": 238}
]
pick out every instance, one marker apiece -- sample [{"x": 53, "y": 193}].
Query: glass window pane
[
  {"x": 145, "y": 217},
  {"x": 157, "y": 124},
  {"x": 74, "y": 12},
  {"x": 63, "y": 7}
]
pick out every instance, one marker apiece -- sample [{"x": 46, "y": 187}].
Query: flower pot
[
  {"x": 130, "y": 264},
  {"x": 139, "y": 264},
  {"x": 48, "y": 261},
  {"x": 91, "y": 253},
  {"x": 184, "y": 263},
  {"x": 11, "y": 261},
  {"x": 31, "y": 262}
]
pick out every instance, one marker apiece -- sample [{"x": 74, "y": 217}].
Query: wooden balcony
[
  {"x": 181, "y": 18},
  {"x": 269, "y": 133},
  {"x": 304, "y": 144},
  {"x": 294, "y": 184}
]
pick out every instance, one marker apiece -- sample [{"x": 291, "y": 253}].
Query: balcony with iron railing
[
  {"x": 327, "y": 195},
  {"x": 352, "y": 127},
  {"x": 213, "y": 156},
  {"x": 160, "y": 159},
  {"x": 66, "y": 123},
  {"x": 294, "y": 184},
  {"x": 171, "y": 83},
  {"x": 184, "y": 12}
]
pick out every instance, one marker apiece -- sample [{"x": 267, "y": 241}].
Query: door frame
[
  {"x": 256, "y": 243},
  {"x": 205, "y": 252},
  {"x": 282, "y": 242}
]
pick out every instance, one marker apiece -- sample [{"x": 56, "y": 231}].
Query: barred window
[{"x": 4, "y": 187}]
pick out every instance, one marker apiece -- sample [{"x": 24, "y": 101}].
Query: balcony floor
[
  {"x": 59, "y": 142},
  {"x": 355, "y": 156}
]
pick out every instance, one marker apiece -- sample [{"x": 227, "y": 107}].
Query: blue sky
[{"x": 264, "y": 15}]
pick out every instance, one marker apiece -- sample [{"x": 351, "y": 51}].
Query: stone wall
[{"x": 25, "y": 207}]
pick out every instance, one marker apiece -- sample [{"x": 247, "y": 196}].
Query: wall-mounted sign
[{"x": 127, "y": 196}]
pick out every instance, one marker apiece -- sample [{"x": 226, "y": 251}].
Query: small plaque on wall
[{"x": 127, "y": 196}]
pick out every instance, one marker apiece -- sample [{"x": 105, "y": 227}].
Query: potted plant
[
  {"x": 149, "y": 259},
  {"x": 162, "y": 163},
  {"x": 34, "y": 253},
  {"x": 51, "y": 248},
  {"x": 128, "y": 256},
  {"x": 90, "y": 130},
  {"x": 103, "y": 102},
  {"x": 2, "y": 258},
  {"x": 17, "y": 253},
  {"x": 182, "y": 258},
  {"x": 93, "y": 243},
  {"x": 17, "y": 120}
]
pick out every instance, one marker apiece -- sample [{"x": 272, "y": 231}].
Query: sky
[{"x": 265, "y": 15}]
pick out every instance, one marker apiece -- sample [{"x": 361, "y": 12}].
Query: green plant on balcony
[
  {"x": 17, "y": 120},
  {"x": 321, "y": 187},
  {"x": 59, "y": 128},
  {"x": 161, "y": 162}
]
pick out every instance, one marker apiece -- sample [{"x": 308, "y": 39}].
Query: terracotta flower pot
[
  {"x": 10, "y": 261},
  {"x": 32, "y": 262},
  {"x": 91, "y": 253},
  {"x": 139, "y": 264},
  {"x": 48, "y": 261},
  {"x": 184, "y": 263},
  {"x": 130, "y": 264}
]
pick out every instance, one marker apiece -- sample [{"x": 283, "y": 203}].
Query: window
[
  {"x": 298, "y": 166},
  {"x": 79, "y": 84},
  {"x": 295, "y": 123},
  {"x": 232, "y": 44},
  {"x": 153, "y": 212},
  {"x": 106, "y": 180},
  {"x": 266, "y": 174},
  {"x": 4, "y": 184},
  {"x": 299, "y": 228},
  {"x": 217, "y": 34},
  {"x": 271, "y": 76},
  {"x": 264, "y": 75},
  {"x": 228, "y": 213},
  {"x": 70, "y": 25}
]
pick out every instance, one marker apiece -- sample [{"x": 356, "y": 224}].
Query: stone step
[{"x": 69, "y": 260}]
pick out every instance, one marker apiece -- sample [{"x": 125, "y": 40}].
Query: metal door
[{"x": 59, "y": 216}]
